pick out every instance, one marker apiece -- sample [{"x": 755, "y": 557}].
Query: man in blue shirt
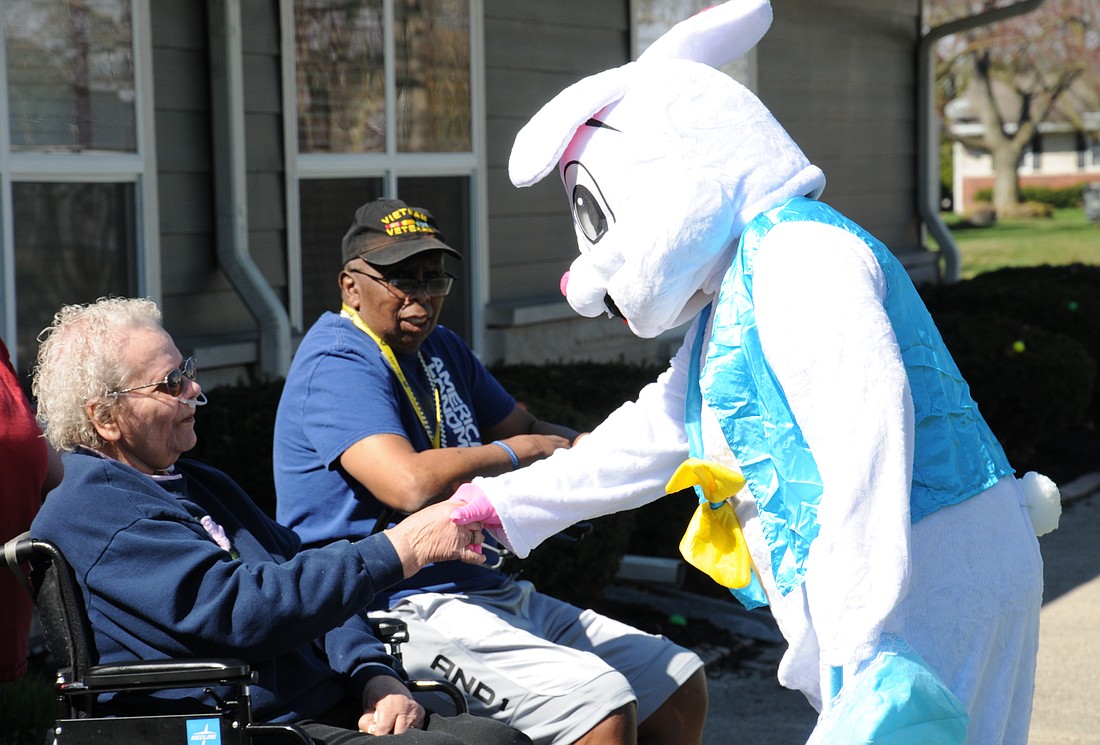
[{"x": 385, "y": 412}]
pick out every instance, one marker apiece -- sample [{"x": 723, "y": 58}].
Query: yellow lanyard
[{"x": 436, "y": 437}]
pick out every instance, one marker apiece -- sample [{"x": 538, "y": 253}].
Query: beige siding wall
[
  {"x": 534, "y": 49},
  {"x": 182, "y": 115},
  {"x": 840, "y": 75},
  {"x": 201, "y": 309}
]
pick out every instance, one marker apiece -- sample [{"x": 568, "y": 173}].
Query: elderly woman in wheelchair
[{"x": 174, "y": 561}]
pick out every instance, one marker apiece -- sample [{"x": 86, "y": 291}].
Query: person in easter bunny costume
[{"x": 880, "y": 513}]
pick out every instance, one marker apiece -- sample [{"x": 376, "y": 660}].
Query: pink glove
[{"x": 478, "y": 508}]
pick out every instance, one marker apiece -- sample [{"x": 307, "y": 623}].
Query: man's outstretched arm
[{"x": 407, "y": 480}]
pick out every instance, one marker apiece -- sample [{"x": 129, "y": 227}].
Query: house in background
[
  {"x": 209, "y": 154},
  {"x": 1059, "y": 155}
]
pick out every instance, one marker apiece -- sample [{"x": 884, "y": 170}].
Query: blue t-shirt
[{"x": 340, "y": 390}]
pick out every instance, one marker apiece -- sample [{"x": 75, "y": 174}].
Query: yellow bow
[{"x": 713, "y": 541}]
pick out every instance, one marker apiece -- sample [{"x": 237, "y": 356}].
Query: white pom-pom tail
[{"x": 1044, "y": 501}]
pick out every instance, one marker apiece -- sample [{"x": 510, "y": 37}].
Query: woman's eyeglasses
[
  {"x": 172, "y": 382},
  {"x": 407, "y": 286}
]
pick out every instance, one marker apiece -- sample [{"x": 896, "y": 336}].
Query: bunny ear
[
  {"x": 715, "y": 36},
  {"x": 541, "y": 142}
]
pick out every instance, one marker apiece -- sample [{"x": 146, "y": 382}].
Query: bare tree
[{"x": 1017, "y": 74}]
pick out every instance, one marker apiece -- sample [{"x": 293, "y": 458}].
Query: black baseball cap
[{"x": 387, "y": 231}]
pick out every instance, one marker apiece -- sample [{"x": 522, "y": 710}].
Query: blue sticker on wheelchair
[{"x": 204, "y": 732}]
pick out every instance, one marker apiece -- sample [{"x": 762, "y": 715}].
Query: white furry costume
[{"x": 666, "y": 161}]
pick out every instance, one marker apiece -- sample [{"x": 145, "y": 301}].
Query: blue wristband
[{"x": 511, "y": 453}]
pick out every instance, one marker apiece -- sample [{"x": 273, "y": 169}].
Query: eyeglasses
[
  {"x": 172, "y": 382},
  {"x": 407, "y": 286}
]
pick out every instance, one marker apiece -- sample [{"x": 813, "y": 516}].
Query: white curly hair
[{"x": 78, "y": 362}]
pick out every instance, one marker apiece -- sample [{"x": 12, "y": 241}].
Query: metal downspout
[
  {"x": 928, "y": 178},
  {"x": 231, "y": 188}
]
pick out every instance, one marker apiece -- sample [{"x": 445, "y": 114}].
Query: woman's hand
[
  {"x": 472, "y": 507},
  {"x": 428, "y": 536},
  {"x": 389, "y": 708}
]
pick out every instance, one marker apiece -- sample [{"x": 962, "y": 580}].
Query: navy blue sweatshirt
[{"x": 157, "y": 584}]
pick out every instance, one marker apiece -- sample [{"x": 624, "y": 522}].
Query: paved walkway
[
  {"x": 750, "y": 706},
  {"x": 1067, "y": 682}
]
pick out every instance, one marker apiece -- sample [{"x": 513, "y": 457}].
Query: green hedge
[
  {"x": 1065, "y": 197},
  {"x": 1030, "y": 384},
  {"x": 27, "y": 707},
  {"x": 579, "y": 395},
  {"x": 236, "y": 432},
  {"x": 1055, "y": 312}
]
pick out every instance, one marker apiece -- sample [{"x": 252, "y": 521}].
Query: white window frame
[
  {"x": 391, "y": 165},
  {"x": 138, "y": 168}
]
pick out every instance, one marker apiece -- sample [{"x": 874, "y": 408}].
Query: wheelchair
[{"x": 80, "y": 682}]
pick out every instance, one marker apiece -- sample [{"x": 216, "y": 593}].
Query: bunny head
[{"x": 664, "y": 161}]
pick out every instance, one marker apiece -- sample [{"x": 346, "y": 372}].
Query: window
[
  {"x": 73, "y": 171},
  {"x": 327, "y": 209},
  {"x": 1031, "y": 159},
  {"x": 386, "y": 106}
]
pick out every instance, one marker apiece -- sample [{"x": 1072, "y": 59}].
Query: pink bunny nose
[{"x": 564, "y": 284}]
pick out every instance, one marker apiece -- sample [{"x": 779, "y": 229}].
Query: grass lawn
[{"x": 1066, "y": 238}]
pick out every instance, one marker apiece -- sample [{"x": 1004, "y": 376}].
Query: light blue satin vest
[{"x": 955, "y": 455}]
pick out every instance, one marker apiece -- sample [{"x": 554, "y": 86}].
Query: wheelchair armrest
[
  {"x": 393, "y": 632},
  {"x": 292, "y": 731},
  {"x": 390, "y": 631},
  {"x": 163, "y": 674},
  {"x": 445, "y": 687}
]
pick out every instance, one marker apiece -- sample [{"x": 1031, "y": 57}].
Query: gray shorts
[{"x": 541, "y": 665}]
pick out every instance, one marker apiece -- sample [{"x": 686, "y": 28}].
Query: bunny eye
[
  {"x": 588, "y": 214},
  {"x": 592, "y": 213}
]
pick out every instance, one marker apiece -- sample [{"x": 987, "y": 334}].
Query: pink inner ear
[{"x": 564, "y": 284}]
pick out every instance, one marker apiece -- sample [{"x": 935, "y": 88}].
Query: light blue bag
[{"x": 894, "y": 699}]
